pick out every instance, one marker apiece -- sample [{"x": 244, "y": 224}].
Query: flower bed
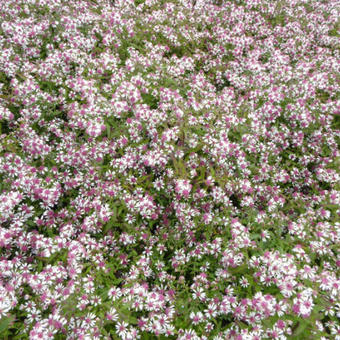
[{"x": 169, "y": 169}]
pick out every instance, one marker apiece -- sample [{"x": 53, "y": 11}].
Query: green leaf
[
  {"x": 238, "y": 270},
  {"x": 300, "y": 327},
  {"x": 150, "y": 100},
  {"x": 5, "y": 323},
  {"x": 108, "y": 131}
]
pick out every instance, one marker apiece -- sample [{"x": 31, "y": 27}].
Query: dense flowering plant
[{"x": 169, "y": 169}]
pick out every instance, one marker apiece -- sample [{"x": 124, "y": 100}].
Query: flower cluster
[{"x": 169, "y": 169}]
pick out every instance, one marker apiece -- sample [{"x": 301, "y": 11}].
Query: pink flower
[{"x": 183, "y": 187}]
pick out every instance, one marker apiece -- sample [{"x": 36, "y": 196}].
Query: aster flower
[
  {"x": 122, "y": 329},
  {"x": 183, "y": 187}
]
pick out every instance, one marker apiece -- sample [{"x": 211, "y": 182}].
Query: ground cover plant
[{"x": 169, "y": 169}]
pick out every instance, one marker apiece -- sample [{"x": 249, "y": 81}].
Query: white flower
[
  {"x": 89, "y": 321},
  {"x": 244, "y": 282},
  {"x": 114, "y": 293},
  {"x": 196, "y": 317},
  {"x": 121, "y": 329},
  {"x": 183, "y": 187}
]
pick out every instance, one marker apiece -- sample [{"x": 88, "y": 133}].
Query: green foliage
[
  {"x": 277, "y": 20},
  {"x": 179, "y": 52},
  {"x": 15, "y": 110},
  {"x": 322, "y": 95},
  {"x": 5, "y": 80},
  {"x": 265, "y": 57},
  {"x": 137, "y": 42},
  {"x": 54, "y": 259},
  {"x": 5, "y": 323},
  {"x": 85, "y": 29},
  {"x": 150, "y": 100},
  {"x": 336, "y": 122},
  {"x": 225, "y": 83},
  {"x": 48, "y": 86},
  {"x": 139, "y": 2},
  {"x": 334, "y": 32},
  {"x": 4, "y": 129}
]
